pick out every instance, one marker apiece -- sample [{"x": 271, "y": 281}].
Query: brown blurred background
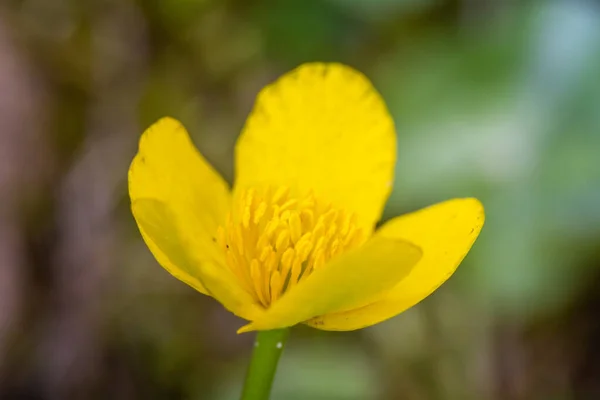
[{"x": 494, "y": 99}]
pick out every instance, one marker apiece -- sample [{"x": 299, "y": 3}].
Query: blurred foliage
[{"x": 493, "y": 99}]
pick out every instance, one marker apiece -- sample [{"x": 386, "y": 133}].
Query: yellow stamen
[
  {"x": 295, "y": 227},
  {"x": 283, "y": 240}
]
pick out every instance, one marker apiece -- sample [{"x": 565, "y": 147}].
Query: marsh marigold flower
[{"x": 294, "y": 241}]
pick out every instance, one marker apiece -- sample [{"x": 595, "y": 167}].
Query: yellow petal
[
  {"x": 168, "y": 168},
  {"x": 353, "y": 279},
  {"x": 445, "y": 232},
  {"x": 163, "y": 230},
  {"x": 322, "y": 128}
]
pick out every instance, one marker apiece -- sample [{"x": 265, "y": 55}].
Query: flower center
[{"x": 272, "y": 241}]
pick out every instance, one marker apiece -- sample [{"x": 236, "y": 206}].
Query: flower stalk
[{"x": 265, "y": 356}]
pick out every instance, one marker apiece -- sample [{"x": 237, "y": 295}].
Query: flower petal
[
  {"x": 353, "y": 279},
  {"x": 445, "y": 232},
  {"x": 322, "y": 128},
  {"x": 168, "y": 168},
  {"x": 163, "y": 232}
]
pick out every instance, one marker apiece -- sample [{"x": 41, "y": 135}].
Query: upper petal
[
  {"x": 179, "y": 201},
  {"x": 322, "y": 128},
  {"x": 445, "y": 232},
  {"x": 351, "y": 280}
]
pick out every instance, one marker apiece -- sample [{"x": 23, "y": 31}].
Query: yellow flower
[{"x": 295, "y": 240}]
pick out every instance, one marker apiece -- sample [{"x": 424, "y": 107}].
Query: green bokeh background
[{"x": 494, "y": 99}]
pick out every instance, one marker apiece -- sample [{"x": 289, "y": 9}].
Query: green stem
[{"x": 267, "y": 349}]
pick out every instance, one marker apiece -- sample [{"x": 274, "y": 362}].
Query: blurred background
[{"x": 494, "y": 99}]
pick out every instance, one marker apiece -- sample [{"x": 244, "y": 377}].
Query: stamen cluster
[{"x": 273, "y": 241}]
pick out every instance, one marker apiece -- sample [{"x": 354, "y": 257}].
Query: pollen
[{"x": 272, "y": 240}]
